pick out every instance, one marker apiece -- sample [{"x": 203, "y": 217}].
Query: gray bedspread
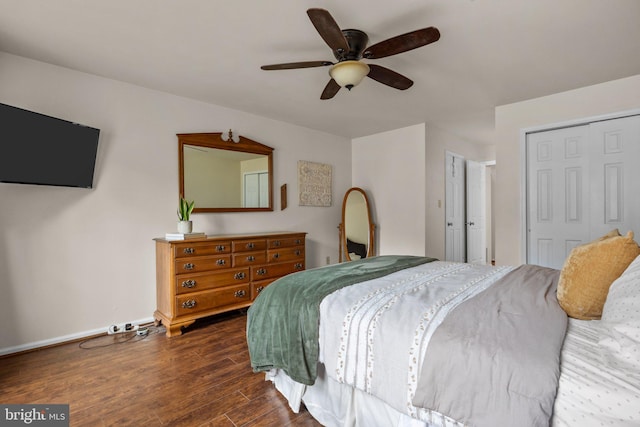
[{"x": 495, "y": 359}]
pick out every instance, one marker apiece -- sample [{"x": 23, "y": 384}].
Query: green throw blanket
[{"x": 283, "y": 322}]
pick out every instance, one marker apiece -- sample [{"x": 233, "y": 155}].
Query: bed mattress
[
  {"x": 591, "y": 392},
  {"x": 588, "y": 394}
]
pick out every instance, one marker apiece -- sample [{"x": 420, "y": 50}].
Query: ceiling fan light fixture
[{"x": 349, "y": 73}]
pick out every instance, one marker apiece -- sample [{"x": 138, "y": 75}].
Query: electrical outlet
[{"x": 328, "y": 260}]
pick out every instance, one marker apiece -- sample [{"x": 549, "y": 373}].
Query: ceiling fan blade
[
  {"x": 402, "y": 43},
  {"x": 328, "y": 29},
  {"x": 388, "y": 77},
  {"x": 330, "y": 90},
  {"x": 293, "y": 65}
]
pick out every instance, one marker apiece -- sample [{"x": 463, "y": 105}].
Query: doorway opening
[{"x": 469, "y": 224}]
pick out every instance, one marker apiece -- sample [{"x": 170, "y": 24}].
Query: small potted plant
[{"x": 184, "y": 214}]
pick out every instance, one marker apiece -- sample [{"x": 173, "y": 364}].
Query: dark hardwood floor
[{"x": 201, "y": 378}]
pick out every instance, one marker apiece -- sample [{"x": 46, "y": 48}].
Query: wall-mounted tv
[{"x": 43, "y": 150}]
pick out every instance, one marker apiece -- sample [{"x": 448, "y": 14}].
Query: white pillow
[{"x": 620, "y": 340}]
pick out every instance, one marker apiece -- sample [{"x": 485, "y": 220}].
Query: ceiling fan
[{"x": 350, "y": 46}]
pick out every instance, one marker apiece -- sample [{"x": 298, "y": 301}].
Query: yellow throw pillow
[
  {"x": 589, "y": 271},
  {"x": 613, "y": 233}
]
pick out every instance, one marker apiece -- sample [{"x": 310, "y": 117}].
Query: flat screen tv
[{"x": 43, "y": 150}]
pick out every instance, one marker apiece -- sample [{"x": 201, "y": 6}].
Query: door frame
[{"x": 524, "y": 244}]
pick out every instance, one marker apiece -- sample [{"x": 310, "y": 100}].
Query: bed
[{"x": 413, "y": 341}]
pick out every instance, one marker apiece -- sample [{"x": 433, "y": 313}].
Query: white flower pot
[{"x": 185, "y": 227}]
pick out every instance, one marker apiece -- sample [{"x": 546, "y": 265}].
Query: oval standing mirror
[
  {"x": 356, "y": 229},
  {"x": 225, "y": 176}
]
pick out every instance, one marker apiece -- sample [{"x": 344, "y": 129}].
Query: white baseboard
[{"x": 65, "y": 338}]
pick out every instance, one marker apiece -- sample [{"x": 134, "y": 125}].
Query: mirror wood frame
[
  {"x": 371, "y": 227},
  {"x": 214, "y": 140}
]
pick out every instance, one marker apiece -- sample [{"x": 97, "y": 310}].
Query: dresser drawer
[
  {"x": 257, "y": 287},
  {"x": 275, "y": 243},
  {"x": 249, "y": 258},
  {"x": 201, "y": 248},
  {"x": 208, "y": 300},
  {"x": 199, "y": 282},
  {"x": 248, "y": 245},
  {"x": 199, "y": 264},
  {"x": 286, "y": 254},
  {"x": 271, "y": 271}
]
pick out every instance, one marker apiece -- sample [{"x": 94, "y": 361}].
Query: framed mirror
[
  {"x": 225, "y": 176},
  {"x": 357, "y": 231}
]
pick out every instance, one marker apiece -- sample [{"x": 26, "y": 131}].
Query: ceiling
[{"x": 491, "y": 52}]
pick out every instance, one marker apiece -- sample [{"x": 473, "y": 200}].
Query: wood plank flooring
[{"x": 201, "y": 378}]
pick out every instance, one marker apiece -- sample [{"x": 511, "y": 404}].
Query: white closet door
[
  {"x": 264, "y": 189},
  {"x": 558, "y": 194},
  {"x": 615, "y": 177},
  {"x": 582, "y": 182},
  {"x": 251, "y": 190}
]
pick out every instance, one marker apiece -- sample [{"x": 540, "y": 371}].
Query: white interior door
[
  {"x": 455, "y": 233},
  {"x": 476, "y": 213}
]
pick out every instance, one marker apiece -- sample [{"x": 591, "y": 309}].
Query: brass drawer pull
[
  {"x": 276, "y": 255},
  {"x": 220, "y": 248},
  {"x": 239, "y": 294},
  {"x": 239, "y": 276},
  {"x": 189, "y": 251},
  {"x": 298, "y": 266},
  {"x": 261, "y": 271},
  {"x": 190, "y": 303},
  {"x": 298, "y": 241},
  {"x": 189, "y": 266},
  {"x": 189, "y": 283},
  {"x": 298, "y": 252},
  {"x": 259, "y": 289},
  {"x": 221, "y": 262},
  {"x": 251, "y": 245},
  {"x": 276, "y": 243},
  {"x": 251, "y": 258}
]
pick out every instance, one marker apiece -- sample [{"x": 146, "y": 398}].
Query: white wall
[
  {"x": 615, "y": 96},
  {"x": 74, "y": 261},
  {"x": 390, "y": 167},
  {"x": 438, "y": 142},
  {"x": 403, "y": 173}
]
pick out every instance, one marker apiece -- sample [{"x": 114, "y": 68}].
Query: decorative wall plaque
[{"x": 314, "y": 183}]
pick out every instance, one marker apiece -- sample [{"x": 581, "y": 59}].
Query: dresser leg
[{"x": 176, "y": 328}]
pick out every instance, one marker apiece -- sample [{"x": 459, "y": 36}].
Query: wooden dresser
[{"x": 196, "y": 278}]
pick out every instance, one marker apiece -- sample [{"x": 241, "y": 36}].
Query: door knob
[{"x": 449, "y": 224}]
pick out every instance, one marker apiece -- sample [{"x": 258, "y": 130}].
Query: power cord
[{"x": 127, "y": 337}]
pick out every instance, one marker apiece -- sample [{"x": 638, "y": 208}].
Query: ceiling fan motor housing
[{"x": 357, "y": 41}]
